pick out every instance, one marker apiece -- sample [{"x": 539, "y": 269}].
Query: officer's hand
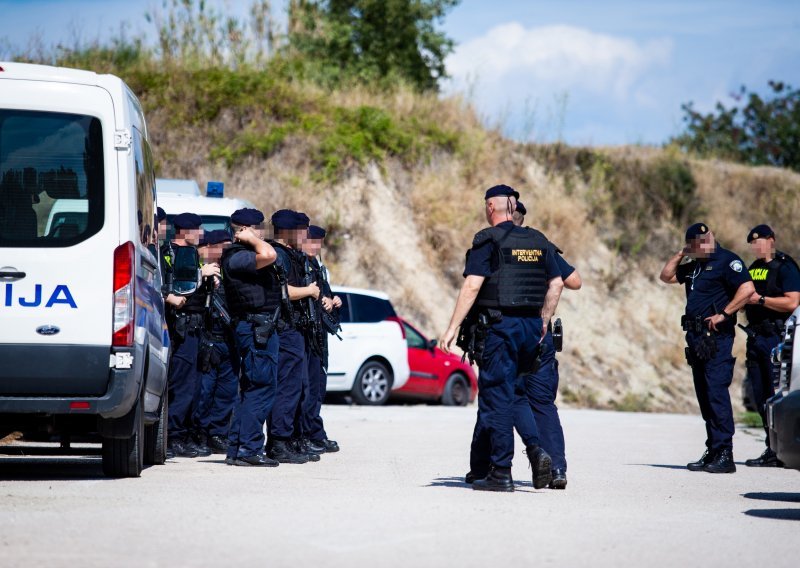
[
  {"x": 337, "y": 302},
  {"x": 211, "y": 269},
  {"x": 446, "y": 339},
  {"x": 714, "y": 321},
  {"x": 313, "y": 290},
  {"x": 544, "y": 330},
  {"x": 245, "y": 235},
  {"x": 176, "y": 301},
  {"x": 327, "y": 304}
]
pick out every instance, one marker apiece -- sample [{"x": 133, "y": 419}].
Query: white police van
[{"x": 83, "y": 341}]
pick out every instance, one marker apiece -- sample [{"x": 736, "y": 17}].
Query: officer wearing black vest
[
  {"x": 219, "y": 362},
  {"x": 284, "y": 445},
  {"x": 717, "y": 287},
  {"x": 777, "y": 281},
  {"x": 253, "y": 290},
  {"x": 185, "y": 329},
  {"x": 512, "y": 279}
]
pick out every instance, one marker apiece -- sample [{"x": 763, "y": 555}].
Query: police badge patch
[{"x": 736, "y": 265}]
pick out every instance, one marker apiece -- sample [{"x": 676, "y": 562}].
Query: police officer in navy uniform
[
  {"x": 777, "y": 282},
  {"x": 512, "y": 277},
  {"x": 186, "y": 326},
  {"x": 291, "y": 229},
  {"x": 219, "y": 362},
  {"x": 717, "y": 287},
  {"x": 541, "y": 387},
  {"x": 312, "y": 425},
  {"x": 253, "y": 290}
]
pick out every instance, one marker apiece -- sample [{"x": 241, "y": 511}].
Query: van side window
[
  {"x": 145, "y": 189},
  {"x": 52, "y": 182}
]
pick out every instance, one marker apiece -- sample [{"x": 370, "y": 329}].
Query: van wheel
[
  {"x": 456, "y": 391},
  {"x": 155, "y": 437},
  {"x": 373, "y": 384},
  {"x": 123, "y": 457}
]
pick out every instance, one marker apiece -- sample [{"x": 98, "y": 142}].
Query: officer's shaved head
[{"x": 500, "y": 208}]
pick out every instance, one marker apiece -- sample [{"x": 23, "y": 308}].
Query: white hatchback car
[{"x": 372, "y": 358}]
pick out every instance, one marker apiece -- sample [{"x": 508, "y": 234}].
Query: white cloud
[{"x": 557, "y": 58}]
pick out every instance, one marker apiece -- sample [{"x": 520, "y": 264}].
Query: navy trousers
[
  {"x": 712, "y": 379},
  {"x": 217, "y": 395},
  {"x": 312, "y": 424},
  {"x": 182, "y": 386},
  {"x": 759, "y": 367},
  {"x": 541, "y": 389},
  {"x": 259, "y": 366},
  {"x": 511, "y": 347},
  {"x": 292, "y": 381}
]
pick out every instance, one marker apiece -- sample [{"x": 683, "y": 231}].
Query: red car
[{"x": 435, "y": 375}]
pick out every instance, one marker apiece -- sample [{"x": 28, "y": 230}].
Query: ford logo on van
[{"x": 47, "y": 330}]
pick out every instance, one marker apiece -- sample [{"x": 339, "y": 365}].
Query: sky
[{"x": 598, "y": 72}]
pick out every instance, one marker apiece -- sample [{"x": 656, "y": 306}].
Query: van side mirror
[{"x": 185, "y": 270}]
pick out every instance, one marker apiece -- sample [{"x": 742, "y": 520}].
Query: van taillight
[
  {"x": 124, "y": 300},
  {"x": 400, "y": 323}
]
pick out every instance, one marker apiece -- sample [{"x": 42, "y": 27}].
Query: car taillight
[
  {"x": 399, "y": 322},
  {"x": 124, "y": 299}
]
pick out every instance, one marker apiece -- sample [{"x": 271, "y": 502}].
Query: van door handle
[{"x": 12, "y": 274}]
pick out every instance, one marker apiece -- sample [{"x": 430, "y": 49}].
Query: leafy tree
[
  {"x": 755, "y": 130},
  {"x": 369, "y": 40}
]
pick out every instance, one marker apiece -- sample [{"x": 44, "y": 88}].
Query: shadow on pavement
[
  {"x": 779, "y": 497},
  {"x": 660, "y": 465},
  {"x": 458, "y": 482},
  {"x": 50, "y": 469},
  {"x": 778, "y": 514}
]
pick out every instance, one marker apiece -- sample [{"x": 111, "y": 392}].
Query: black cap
[
  {"x": 187, "y": 221},
  {"x": 316, "y": 232},
  {"x": 247, "y": 217},
  {"x": 696, "y": 230},
  {"x": 301, "y": 220},
  {"x": 521, "y": 208},
  {"x": 161, "y": 214},
  {"x": 760, "y": 232},
  {"x": 501, "y": 190},
  {"x": 283, "y": 219},
  {"x": 215, "y": 237}
]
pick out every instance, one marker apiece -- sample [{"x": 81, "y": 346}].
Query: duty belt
[
  {"x": 521, "y": 312},
  {"x": 694, "y": 324},
  {"x": 192, "y": 318},
  {"x": 768, "y": 327}
]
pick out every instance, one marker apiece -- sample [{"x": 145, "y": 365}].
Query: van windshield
[
  {"x": 210, "y": 223},
  {"x": 51, "y": 178}
]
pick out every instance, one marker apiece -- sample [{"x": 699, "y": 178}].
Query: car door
[{"x": 425, "y": 374}]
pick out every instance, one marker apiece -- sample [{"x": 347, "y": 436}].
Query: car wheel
[
  {"x": 456, "y": 391},
  {"x": 124, "y": 457},
  {"x": 373, "y": 384}
]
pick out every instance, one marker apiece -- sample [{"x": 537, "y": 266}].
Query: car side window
[
  {"x": 414, "y": 339},
  {"x": 344, "y": 311},
  {"x": 368, "y": 309}
]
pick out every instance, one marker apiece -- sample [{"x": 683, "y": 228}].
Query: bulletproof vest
[
  {"x": 248, "y": 293},
  {"x": 520, "y": 280},
  {"x": 165, "y": 259},
  {"x": 296, "y": 273},
  {"x": 765, "y": 280}
]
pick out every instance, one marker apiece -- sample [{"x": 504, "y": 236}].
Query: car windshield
[{"x": 51, "y": 178}]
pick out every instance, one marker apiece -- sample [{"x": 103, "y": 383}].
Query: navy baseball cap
[
  {"x": 501, "y": 190},
  {"x": 161, "y": 214},
  {"x": 521, "y": 208},
  {"x": 283, "y": 219},
  {"x": 247, "y": 217},
  {"x": 696, "y": 230},
  {"x": 760, "y": 232},
  {"x": 316, "y": 232},
  {"x": 215, "y": 237},
  {"x": 187, "y": 221}
]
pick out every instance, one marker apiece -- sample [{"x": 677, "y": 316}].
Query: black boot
[
  {"x": 767, "y": 459},
  {"x": 705, "y": 459},
  {"x": 282, "y": 451},
  {"x": 301, "y": 447},
  {"x": 331, "y": 446},
  {"x": 541, "y": 465},
  {"x": 499, "y": 479},
  {"x": 180, "y": 449},
  {"x": 314, "y": 447},
  {"x": 258, "y": 460},
  {"x": 201, "y": 448},
  {"x": 723, "y": 462},
  {"x": 559, "y": 479},
  {"x": 471, "y": 476},
  {"x": 218, "y": 444}
]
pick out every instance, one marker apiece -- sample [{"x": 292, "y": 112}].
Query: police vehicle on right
[{"x": 783, "y": 409}]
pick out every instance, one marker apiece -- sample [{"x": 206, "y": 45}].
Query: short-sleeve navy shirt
[
  {"x": 484, "y": 259},
  {"x": 564, "y": 267},
  {"x": 712, "y": 283}
]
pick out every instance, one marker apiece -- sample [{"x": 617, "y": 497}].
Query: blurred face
[
  {"x": 204, "y": 252},
  {"x": 312, "y": 247},
  {"x": 701, "y": 247},
  {"x": 162, "y": 230},
  {"x": 763, "y": 248},
  {"x": 518, "y": 218},
  {"x": 191, "y": 236}
]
